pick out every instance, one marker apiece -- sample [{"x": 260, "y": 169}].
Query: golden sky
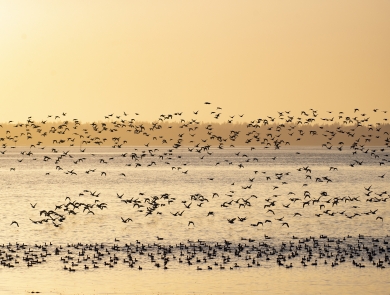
[{"x": 93, "y": 58}]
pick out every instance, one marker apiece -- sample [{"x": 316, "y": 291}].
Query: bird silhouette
[{"x": 14, "y": 222}]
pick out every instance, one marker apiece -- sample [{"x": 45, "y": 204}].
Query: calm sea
[{"x": 215, "y": 211}]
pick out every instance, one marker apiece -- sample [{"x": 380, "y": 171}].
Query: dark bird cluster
[{"x": 199, "y": 255}]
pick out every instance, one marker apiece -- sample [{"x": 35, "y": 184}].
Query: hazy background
[{"x": 92, "y": 58}]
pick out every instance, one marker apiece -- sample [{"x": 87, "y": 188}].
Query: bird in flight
[
  {"x": 231, "y": 220},
  {"x": 14, "y": 222},
  {"x": 126, "y": 220}
]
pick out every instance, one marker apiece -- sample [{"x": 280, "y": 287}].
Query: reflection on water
[
  {"x": 343, "y": 280},
  {"x": 78, "y": 204}
]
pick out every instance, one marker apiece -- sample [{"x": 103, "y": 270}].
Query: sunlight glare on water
[{"x": 205, "y": 188}]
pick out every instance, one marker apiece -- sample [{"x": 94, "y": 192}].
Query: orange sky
[{"x": 92, "y": 58}]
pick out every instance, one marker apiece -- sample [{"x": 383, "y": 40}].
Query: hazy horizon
[{"x": 90, "y": 59}]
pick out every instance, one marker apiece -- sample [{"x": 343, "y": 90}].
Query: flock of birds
[
  {"x": 62, "y": 146},
  {"x": 249, "y": 253}
]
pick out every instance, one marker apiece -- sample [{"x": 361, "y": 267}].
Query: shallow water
[
  {"x": 353, "y": 197},
  {"x": 275, "y": 280}
]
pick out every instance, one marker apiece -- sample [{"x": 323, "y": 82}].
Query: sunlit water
[{"x": 180, "y": 191}]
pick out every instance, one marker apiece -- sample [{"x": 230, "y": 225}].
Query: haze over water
[{"x": 239, "y": 204}]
